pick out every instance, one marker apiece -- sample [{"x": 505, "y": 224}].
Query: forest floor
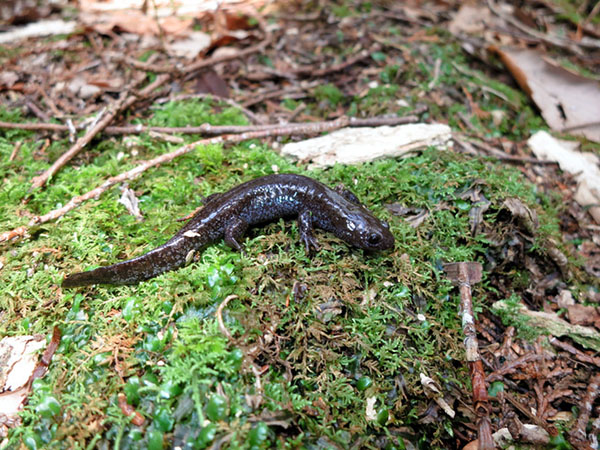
[{"x": 277, "y": 347}]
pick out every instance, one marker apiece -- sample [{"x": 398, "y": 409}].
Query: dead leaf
[
  {"x": 526, "y": 216},
  {"x": 209, "y": 82},
  {"x": 190, "y": 46},
  {"x": 370, "y": 412},
  {"x": 584, "y": 166},
  {"x": 434, "y": 392},
  {"x": 583, "y": 315},
  {"x": 23, "y": 11},
  {"x": 568, "y": 101},
  {"x": 130, "y": 202},
  {"x": 471, "y": 19},
  {"x": 130, "y": 21},
  {"x": 414, "y": 216},
  {"x": 8, "y": 79},
  {"x": 20, "y": 364}
]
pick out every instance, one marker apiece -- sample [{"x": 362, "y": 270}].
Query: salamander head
[{"x": 363, "y": 230}]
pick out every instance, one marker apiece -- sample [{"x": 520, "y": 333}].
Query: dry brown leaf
[
  {"x": 18, "y": 359},
  {"x": 585, "y": 167},
  {"x": 190, "y": 46},
  {"x": 134, "y": 22},
  {"x": 176, "y": 25},
  {"x": 471, "y": 19},
  {"x": 568, "y": 101},
  {"x": 584, "y": 315}
]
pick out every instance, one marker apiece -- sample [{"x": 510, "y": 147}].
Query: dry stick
[
  {"x": 214, "y": 130},
  {"x": 550, "y": 39},
  {"x": 578, "y": 354},
  {"x": 124, "y": 102},
  {"x": 499, "y": 154},
  {"x": 312, "y": 72},
  {"x": 256, "y": 371},
  {"x": 464, "y": 274},
  {"x": 302, "y": 129},
  {"x": 578, "y": 432},
  {"x": 219, "y": 314}
]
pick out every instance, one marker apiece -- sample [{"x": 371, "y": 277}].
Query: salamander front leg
[
  {"x": 306, "y": 231},
  {"x": 235, "y": 231}
]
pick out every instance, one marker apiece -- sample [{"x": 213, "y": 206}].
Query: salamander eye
[{"x": 374, "y": 239}]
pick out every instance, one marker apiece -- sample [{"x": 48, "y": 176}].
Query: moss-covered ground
[
  {"x": 331, "y": 331},
  {"x": 326, "y": 349}
]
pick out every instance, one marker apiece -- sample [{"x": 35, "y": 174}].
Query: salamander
[{"x": 227, "y": 215}]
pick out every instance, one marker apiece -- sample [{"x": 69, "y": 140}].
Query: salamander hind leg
[
  {"x": 306, "y": 231},
  {"x": 234, "y": 231}
]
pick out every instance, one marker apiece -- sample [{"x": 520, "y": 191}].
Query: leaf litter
[{"x": 354, "y": 317}]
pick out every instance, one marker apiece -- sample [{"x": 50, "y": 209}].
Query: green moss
[{"x": 375, "y": 316}]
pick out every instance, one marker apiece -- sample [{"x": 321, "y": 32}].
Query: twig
[
  {"x": 256, "y": 371},
  {"x": 125, "y": 101},
  {"x": 302, "y": 129},
  {"x": 465, "y": 274},
  {"x": 511, "y": 366},
  {"x": 310, "y": 71},
  {"x": 293, "y": 93},
  {"x": 527, "y": 413},
  {"x": 436, "y": 73},
  {"x": 578, "y": 433},
  {"x": 578, "y": 354},
  {"x": 499, "y": 154},
  {"x": 213, "y": 130},
  {"x": 15, "y": 151},
  {"x": 550, "y": 39},
  {"x": 219, "y": 314}
]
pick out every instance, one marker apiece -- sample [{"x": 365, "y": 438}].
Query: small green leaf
[
  {"x": 258, "y": 434},
  {"x": 169, "y": 389},
  {"x": 206, "y": 435},
  {"x": 382, "y": 416},
  {"x": 495, "y": 388},
  {"x": 378, "y": 56},
  {"x": 131, "y": 390},
  {"x": 155, "y": 440},
  {"x": 236, "y": 357},
  {"x": 48, "y": 407},
  {"x": 216, "y": 408},
  {"x": 163, "y": 419},
  {"x": 364, "y": 383}
]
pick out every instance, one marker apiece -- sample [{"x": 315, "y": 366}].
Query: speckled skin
[{"x": 229, "y": 214}]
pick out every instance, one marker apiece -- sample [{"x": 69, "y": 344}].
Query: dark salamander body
[{"x": 229, "y": 214}]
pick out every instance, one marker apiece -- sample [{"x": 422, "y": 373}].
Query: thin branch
[
  {"x": 498, "y": 154},
  {"x": 286, "y": 130},
  {"x": 213, "y": 130},
  {"x": 465, "y": 274},
  {"x": 219, "y": 314},
  {"x": 573, "y": 46},
  {"x": 578, "y": 432},
  {"x": 123, "y": 102}
]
